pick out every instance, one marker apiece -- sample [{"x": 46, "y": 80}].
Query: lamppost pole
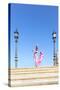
[
  {"x": 16, "y": 36},
  {"x": 54, "y": 42}
]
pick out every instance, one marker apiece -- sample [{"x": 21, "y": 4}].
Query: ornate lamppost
[
  {"x": 54, "y": 52},
  {"x": 16, "y": 36}
]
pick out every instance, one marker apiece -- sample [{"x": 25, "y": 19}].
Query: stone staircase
[{"x": 34, "y": 76}]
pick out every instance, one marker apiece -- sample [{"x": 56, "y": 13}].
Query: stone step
[
  {"x": 34, "y": 76},
  {"x": 40, "y": 75},
  {"x": 32, "y": 69},
  {"x": 34, "y": 82}
]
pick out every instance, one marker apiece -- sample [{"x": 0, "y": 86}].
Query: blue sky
[{"x": 35, "y": 24}]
